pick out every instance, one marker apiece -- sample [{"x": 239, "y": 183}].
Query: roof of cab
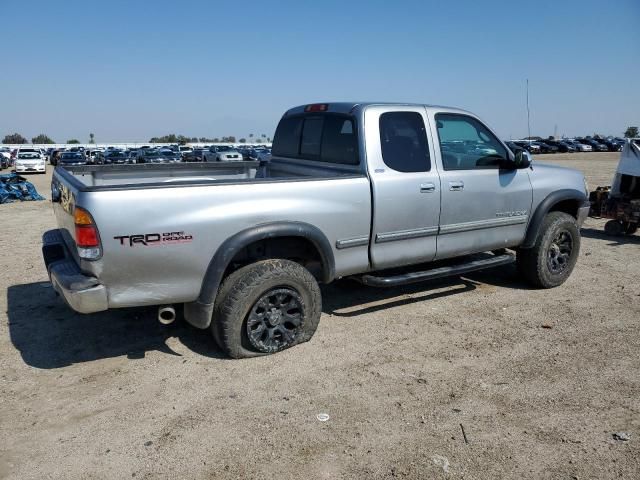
[{"x": 350, "y": 107}]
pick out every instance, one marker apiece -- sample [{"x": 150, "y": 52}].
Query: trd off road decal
[{"x": 153, "y": 239}]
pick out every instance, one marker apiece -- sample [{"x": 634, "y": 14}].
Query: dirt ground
[{"x": 540, "y": 381}]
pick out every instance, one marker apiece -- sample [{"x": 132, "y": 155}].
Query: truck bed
[{"x": 109, "y": 177}]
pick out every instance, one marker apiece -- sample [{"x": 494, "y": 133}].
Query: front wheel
[
  {"x": 266, "y": 307},
  {"x": 551, "y": 260}
]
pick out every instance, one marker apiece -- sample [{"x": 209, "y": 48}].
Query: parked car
[
  {"x": 361, "y": 194},
  {"x": 30, "y": 160},
  {"x": 566, "y": 147},
  {"x": 547, "y": 148},
  {"x": 70, "y": 159},
  {"x": 195, "y": 155},
  {"x": 612, "y": 145},
  {"x": 530, "y": 147},
  {"x": 581, "y": 147},
  {"x": 111, "y": 157},
  {"x": 595, "y": 145},
  {"x": 156, "y": 155},
  {"x": 222, "y": 153},
  {"x": 183, "y": 149},
  {"x": 5, "y": 158}
]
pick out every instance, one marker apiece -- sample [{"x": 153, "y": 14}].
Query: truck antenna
[{"x": 528, "y": 115}]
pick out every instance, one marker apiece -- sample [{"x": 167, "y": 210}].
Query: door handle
[
  {"x": 456, "y": 186},
  {"x": 427, "y": 187}
]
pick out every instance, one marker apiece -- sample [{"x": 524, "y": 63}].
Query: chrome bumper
[
  {"x": 83, "y": 293},
  {"x": 583, "y": 213}
]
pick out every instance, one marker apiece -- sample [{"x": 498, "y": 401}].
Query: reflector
[{"x": 82, "y": 217}]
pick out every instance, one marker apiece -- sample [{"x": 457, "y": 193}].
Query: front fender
[{"x": 545, "y": 207}]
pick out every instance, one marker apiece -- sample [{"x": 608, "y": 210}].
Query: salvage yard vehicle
[
  {"x": 384, "y": 194},
  {"x": 69, "y": 159},
  {"x": 157, "y": 155},
  {"x": 621, "y": 203},
  {"x": 30, "y": 160},
  {"x": 222, "y": 153}
]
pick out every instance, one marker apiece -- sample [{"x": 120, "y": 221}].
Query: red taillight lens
[{"x": 87, "y": 236}]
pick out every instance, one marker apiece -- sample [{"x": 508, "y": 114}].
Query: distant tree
[
  {"x": 251, "y": 135},
  {"x": 230, "y": 139},
  {"x": 92, "y": 138},
  {"x": 631, "y": 132},
  {"x": 41, "y": 139},
  {"x": 171, "y": 138},
  {"x": 268, "y": 140},
  {"x": 73, "y": 141},
  {"x": 243, "y": 140},
  {"x": 13, "y": 139},
  {"x": 264, "y": 135},
  {"x": 216, "y": 140}
]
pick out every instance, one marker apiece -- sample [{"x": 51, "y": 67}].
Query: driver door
[{"x": 484, "y": 207}]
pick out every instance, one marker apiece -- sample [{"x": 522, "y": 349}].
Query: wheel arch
[
  {"x": 566, "y": 200},
  {"x": 199, "y": 313}
]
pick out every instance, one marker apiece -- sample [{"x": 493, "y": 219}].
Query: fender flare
[
  {"x": 544, "y": 207},
  {"x": 199, "y": 312}
]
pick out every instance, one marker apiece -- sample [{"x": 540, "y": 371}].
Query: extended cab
[{"x": 386, "y": 194}]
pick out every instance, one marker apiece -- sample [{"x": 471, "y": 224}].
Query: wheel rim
[
  {"x": 275, "y": 320},
  {"x": 559, "y": 253}
]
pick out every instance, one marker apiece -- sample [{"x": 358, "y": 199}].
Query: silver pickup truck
[{"x": 385, "y": 194}]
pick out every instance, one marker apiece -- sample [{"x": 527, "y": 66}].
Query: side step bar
[{"x": 440, "y": 272}]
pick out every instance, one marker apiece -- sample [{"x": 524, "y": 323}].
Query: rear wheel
[
  {"x": 266, "y": 307},
  {"x": 551, "y": 260}
]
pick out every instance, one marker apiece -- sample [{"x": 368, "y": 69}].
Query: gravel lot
[{"x": 539, "y": 380}]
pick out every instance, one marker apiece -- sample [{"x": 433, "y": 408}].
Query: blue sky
[{"x": 129, "y": 70}]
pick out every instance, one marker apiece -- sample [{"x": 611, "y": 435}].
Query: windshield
[
  {"x": 223, "y": 148},
  {"x": 115, "y": 155},
  {"x": 28, "y": 155}
]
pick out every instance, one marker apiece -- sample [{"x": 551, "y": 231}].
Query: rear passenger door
[
  {"x": 484, "y": 206},
  {"x": 405, "y": 185}
]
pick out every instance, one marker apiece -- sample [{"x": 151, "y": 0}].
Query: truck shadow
[
  {"x": 49, "y": 335},
  {"x": 347, "y": 298},
  {"x": 613, "y": 241}
]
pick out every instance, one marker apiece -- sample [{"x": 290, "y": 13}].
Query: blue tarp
[{"x": 14, "y": 187}]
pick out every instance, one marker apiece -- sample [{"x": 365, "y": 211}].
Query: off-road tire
[
  {"x": 534, "y": 263},
  {"x": 241, "y": 292}
]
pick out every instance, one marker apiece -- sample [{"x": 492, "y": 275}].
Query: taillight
[{"x": 87, "y": 237}]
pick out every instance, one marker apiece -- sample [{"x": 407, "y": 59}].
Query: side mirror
[{"x": 522, "y": 159}]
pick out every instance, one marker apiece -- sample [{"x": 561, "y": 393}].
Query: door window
[
  {"x": 404, "y": 142},
  {"x": 466, "y": 144}
]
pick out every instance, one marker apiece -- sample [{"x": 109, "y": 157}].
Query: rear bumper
[
  {"x": 83, "y": 293},
  {"x": 583, "y": 213}
]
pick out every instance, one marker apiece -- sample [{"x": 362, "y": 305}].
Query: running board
[{"x": 440, "y": 272}]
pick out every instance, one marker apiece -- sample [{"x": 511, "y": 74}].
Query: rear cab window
[
  {"x": 403, "y": 140},
  {"x": 324, "y": 137}
]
